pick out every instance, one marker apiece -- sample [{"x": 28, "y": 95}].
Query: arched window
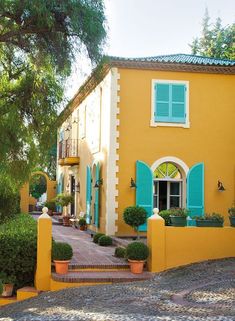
[{"x": 167, "y": 186}]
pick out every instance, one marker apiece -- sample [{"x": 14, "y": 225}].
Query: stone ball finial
[
  {"x": 44, "y": 210},
  {"x": 155, "y": 211}
]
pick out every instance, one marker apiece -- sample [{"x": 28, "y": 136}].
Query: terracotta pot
[
  {"x": 7, "y": 289},
  {"x": 83, "y": 228},
  {"x": 50, "y": 212},
  {"x": 66, "y": 221},
  {"x": 136, "y": 266},
  {"x": 61, "y": 267}
]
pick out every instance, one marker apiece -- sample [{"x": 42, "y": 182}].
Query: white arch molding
[
  {"x": 171, "y": 159},
  {"x": 182, "y": 167}
]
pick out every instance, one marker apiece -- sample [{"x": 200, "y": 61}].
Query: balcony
[{"x": 68, "y": 152}]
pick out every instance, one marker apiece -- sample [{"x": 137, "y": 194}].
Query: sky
[{"x": 140, "y": 28}]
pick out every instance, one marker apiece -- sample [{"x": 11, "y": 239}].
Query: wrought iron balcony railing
[{"x": 68, "y": 148}]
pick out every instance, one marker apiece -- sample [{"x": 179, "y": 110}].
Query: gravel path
[{"x": 198, "y": 292}]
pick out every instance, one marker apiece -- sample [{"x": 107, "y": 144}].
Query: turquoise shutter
[
  {"x": 96, "y": 203},
  {"x": 162, "y": 102},
  {"x": 88, "y": 195},
  {"x": 170, "y": 103},
  {"x": 144, "y": 189},
  {"x": 195, "y": 190},
  {"x": 178, "y": 94}
]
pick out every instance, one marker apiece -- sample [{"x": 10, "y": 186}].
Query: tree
[
  {"x": 38, "y": 43},
  {"x": 135, "y": 216},
  {"x": 216, "y": 41}
]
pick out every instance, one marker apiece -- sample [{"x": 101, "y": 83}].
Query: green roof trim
[{"x": 180, "y": 59}]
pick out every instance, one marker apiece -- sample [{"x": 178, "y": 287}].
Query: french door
[{"x": 167, "y": 194}]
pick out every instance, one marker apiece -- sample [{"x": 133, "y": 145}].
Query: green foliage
[
  {"x": 38, "y": 43},
  {"x": 51, "y": 205},
  {"x": 61, "y": 251},
  {"x": 82, "y": 222},
  {"x": 97, "y": 236},
  {"x": 18, "y": 249},
  {"x": 177, "y": 211},
  {"x": 137, "y": 251},
  {"x": 120, "y": 252},
  {"x": 37, "y": 186},
  {"x": 135, "y": 216},
  {"x": 9, "y": 200},
  {"x": 166, "y": 216},
  {"x": 1, "y": 287},
  {"x": 105, "y": 240},
  {"x": 64, "y": 199},
  {"x": 216, "y": 41},
  {"x": 7, "y": 279},
  {"x": 216, "y": 217}
]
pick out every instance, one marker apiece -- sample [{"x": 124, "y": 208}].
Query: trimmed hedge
[
  {"x": 120, "y": 252},
  {"x": 61, "y": 251},
  {"x": 97, "y": 236},
  {"x": 105, "y": 240},
  {"x": 18, "y": 249},
  {"x": 137, "y": 251}
]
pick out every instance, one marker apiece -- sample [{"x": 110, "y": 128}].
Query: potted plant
[
  {"x": 64, "y": 200},
  {"x": 135, "y": 216},
  {"x": 82, "y": 224},
  {"x": 137, "y": 254},
  {"x": 231, "y": 213},
  {"x": 165, "y": 214},
  {"x": 61, "y": 256},
  {"x": 51, "y": 205},
  {"x": 7, "y": 282},
  {"x": 178, "y": 216},
  {"x": 210, "y": 220}
]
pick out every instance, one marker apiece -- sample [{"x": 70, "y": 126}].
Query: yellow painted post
[
  {"x": 156, "y": 242},
  {"x": 44, "y": 243}
]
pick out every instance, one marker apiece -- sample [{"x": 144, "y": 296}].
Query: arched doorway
[
  {"x": 24, "y": 192},
  {"x": 169, "y": 183},
  {"x": 37, "y": 192}
]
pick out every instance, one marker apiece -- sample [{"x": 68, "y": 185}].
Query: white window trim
[{"x": 153, "y": 123}]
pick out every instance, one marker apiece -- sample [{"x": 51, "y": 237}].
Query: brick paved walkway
[{"x": 85, "y": 251}]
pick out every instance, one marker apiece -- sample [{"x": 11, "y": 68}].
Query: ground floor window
[{"x": 167, "y": 186}]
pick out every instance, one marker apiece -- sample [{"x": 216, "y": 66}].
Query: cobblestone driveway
[{"x": 198, "y": 292}]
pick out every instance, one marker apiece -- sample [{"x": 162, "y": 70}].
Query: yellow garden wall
[
  {"x": 175, "y": 246},
  {"x": 210, "y": 138}
]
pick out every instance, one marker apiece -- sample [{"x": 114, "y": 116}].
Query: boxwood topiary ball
[
  {"x": 61, "y": 251},
  {"x": 97, "y": 236},
  {"x": 105, "y": 240},
  {"x": 137, "y": 251}
]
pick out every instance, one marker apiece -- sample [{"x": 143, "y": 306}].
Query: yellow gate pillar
[
  {"x": 44, "y": 243},
  {"x": 156, "y": 242}
]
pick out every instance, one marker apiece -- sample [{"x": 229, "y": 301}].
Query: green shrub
[
  {"x": 137, "y": 251},
  {"x": 135, "y": 216},
  {"x": 50, "y": 205},
  {"x": 97, "y": 236},
  {"x": 177, "y": 211},
  {"x": 216, "y": 217},
  {"x": 18, "y": 249},
  {"x": 105, "y": 240},
  {"x": 82, "y": 222},
  {"x": 120, "y": 251},
  {"x": 166, "y": 216},
  {"x": 1, "y": 287},
  {"x": 64, "y": 199},
  {"x": 9, "y": 205},
  {"x": 5, "y": 279},
  {"x": 61, "y": 251}
]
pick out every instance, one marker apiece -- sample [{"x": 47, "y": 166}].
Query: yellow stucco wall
[
  {"x": 210, "y": 138},
  {"x": 175, "y": 246}
]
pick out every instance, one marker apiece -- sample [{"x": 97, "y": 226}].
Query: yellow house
[{"x": 156, "y": 132}]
